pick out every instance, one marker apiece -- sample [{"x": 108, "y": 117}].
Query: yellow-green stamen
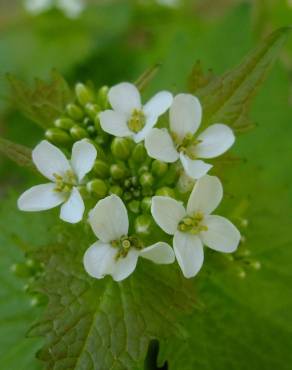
[
  {"x": 124, "y": 244},
  {"x": 193, "y": 224},
  {"x": 65, "y": 183},
  {"x": 137, "y": 120},
  {"x": 187, "y": 145}
]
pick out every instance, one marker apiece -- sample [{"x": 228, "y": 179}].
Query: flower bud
[
  {"x": 139, "y": 153},
  {"x": 127, "y": 196},
  {"x": 92, "y": 110},
  {"x": 58, "y": 136},
  {"x": 102, "y": 97},
  {"x": 115, "y": 189},
  {"x": 143, "y": 169},
  {"x": 134, "y": 206},
  {"x": 165, "y": 191},
  {"x": 97, "y": 187},
  {"x": 78, "y": 132},
  {"x": 121, "y": 147},
  {"x": 146, "y": 179},
  {"x": 118, "y": 171},
  {"x": 64, "y": 123},
  {"x": 143, "y": 225},
  {"x": 159, "y": 168},
  {"x": 74, "y": 111},
  {"x": 146, "y": 204},
  {"x": 83, "y": 191},
  {"x": 84, "y": 94},
  {"x": 101, "y": 169},
  {"x": 21, "y": 270}
]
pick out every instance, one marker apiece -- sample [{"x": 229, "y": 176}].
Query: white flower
[
  {"x": 129, "y": 117},
  {"x": 72, "y": 8},
  {"x": 185, "y": 118},
  {"x": 116, "y": 253},
  {"x": 196, "y": 226},
  {"x": 64, "y": 176}
]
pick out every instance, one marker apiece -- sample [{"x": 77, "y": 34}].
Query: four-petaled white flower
[
  {"x": 194, "y": 227},
  {"x": 116, "y": 253},
  {"x": 129, "y": 117},
  {"x": 65, "y": 176},
  {"x": 72, "y": 8},
  {"x": 185, "y": 118}
]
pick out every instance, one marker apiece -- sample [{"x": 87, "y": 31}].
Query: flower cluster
[{"x": 134, "y": 178}]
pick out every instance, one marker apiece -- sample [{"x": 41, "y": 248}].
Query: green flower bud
[
  {"x": 127, "y": 196},
  {"x": 38, "y": 300},
  {"x": 78, "y": 132},
  {"x": 143, "y": 225},
  {"x": 58, "y": 136},
  {"x": 92, "y": 110},
  {"x": 146, "y": 179},
  {"x": 101, "y": 169},
  {"x": 102, "y": 97},
  {"x": 159, "y": 168},
  {"x": 74, "y": 111},
  {"x": 118, "y": 171},
  {"x": 91, "y": 130},
  {"x": 64, "y": 123},
  {"x": 165, "y": 191},
  {"x": 115, "y": 189},
  {"x": 83, "y": 191},
  {"x": 143, "y": 169},
  {"x": 84, "y": 94},
  {"x": 134, "y": 206},
  {"x": 146, "y": 204},
  {"x": 139, "y": 153},
  {"x": 21, "y": 270},
  {"x": 121, "y": 147},
  {"x": 97, "y": 187}
]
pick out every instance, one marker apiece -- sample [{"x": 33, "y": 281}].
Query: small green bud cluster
[{"x": 80, "y": 119}]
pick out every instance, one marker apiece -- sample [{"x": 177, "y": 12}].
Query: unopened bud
[
  {"x": 97, "y": 187},
  {"x": 102, "y": 97},
  {"x": 64, "y": 123},
  {"x": 134, "y": 206},
  {"x": 146, "y": 204},
  {"x": 143, "y": 169},
  {"x": 118, "y": 171},
  {"x": 165, "y": 191},
  {"x": 121, "y": 147},
  {"x": 21, "y": 270},
  {"x": 146, "y": 179},
  {"x": 159, "y": 168},
  {"x": 84, "y": 94},
  {"x": 92, "y": 110},
  {"x": 78, "y": 132},
  {"x": 58, "y": 136},
  {"x": 74, "y": 111},
  {"x": 117, "y": 190},
  {"x": 101, "y": 169},
  {"x": 139, "y": 153},
  {"x": 143, "y": 225}
]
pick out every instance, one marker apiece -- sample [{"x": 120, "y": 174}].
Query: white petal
[
  {"x": 123, "y": 267},
  {"x": 159, "y": 145},
  {"x": 159, "y": 252},
  {"x": 206, "y": 195},
  {"x": 98, "y": 260},
  {"x": 189, "y": 253},
  {"x": 185, "y": 115},
  {"x": 150, "y": 122},
  {"x": 83, "y": 157},
  {"x": 194, "y": 167},
  {"x": 216, "y": 140},
  {"x": 124, "y": 98},
  {"x": 72, "y": 210},
  {"x": 109, "y": 219},
  {"x": 222, "y": 235},
  {"x": 167, "y": 213},
  {"x": 114, "y": 123},
  {"x": 50, "y": 160},
  {"x": 40, "y": 198},
  {"x": 158, "y": 104}
]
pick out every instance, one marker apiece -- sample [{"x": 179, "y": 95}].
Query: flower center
[
  {"x": 65, "y": 183},
  {"x": 187, "y": 145},
  {"x": 137, "y": 120},
  {"x": 192, "y": 224},
  {"x": 124, "y": 244}
]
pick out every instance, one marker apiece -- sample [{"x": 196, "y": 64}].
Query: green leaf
[
  {"x": 227, "y": 98},
  {"x": 44, "y": 102},
  {"x": 93, "y": 323},
  {"x": 16, "y": 152}
]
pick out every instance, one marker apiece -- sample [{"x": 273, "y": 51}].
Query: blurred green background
[{"x": 111, "y": 41}]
